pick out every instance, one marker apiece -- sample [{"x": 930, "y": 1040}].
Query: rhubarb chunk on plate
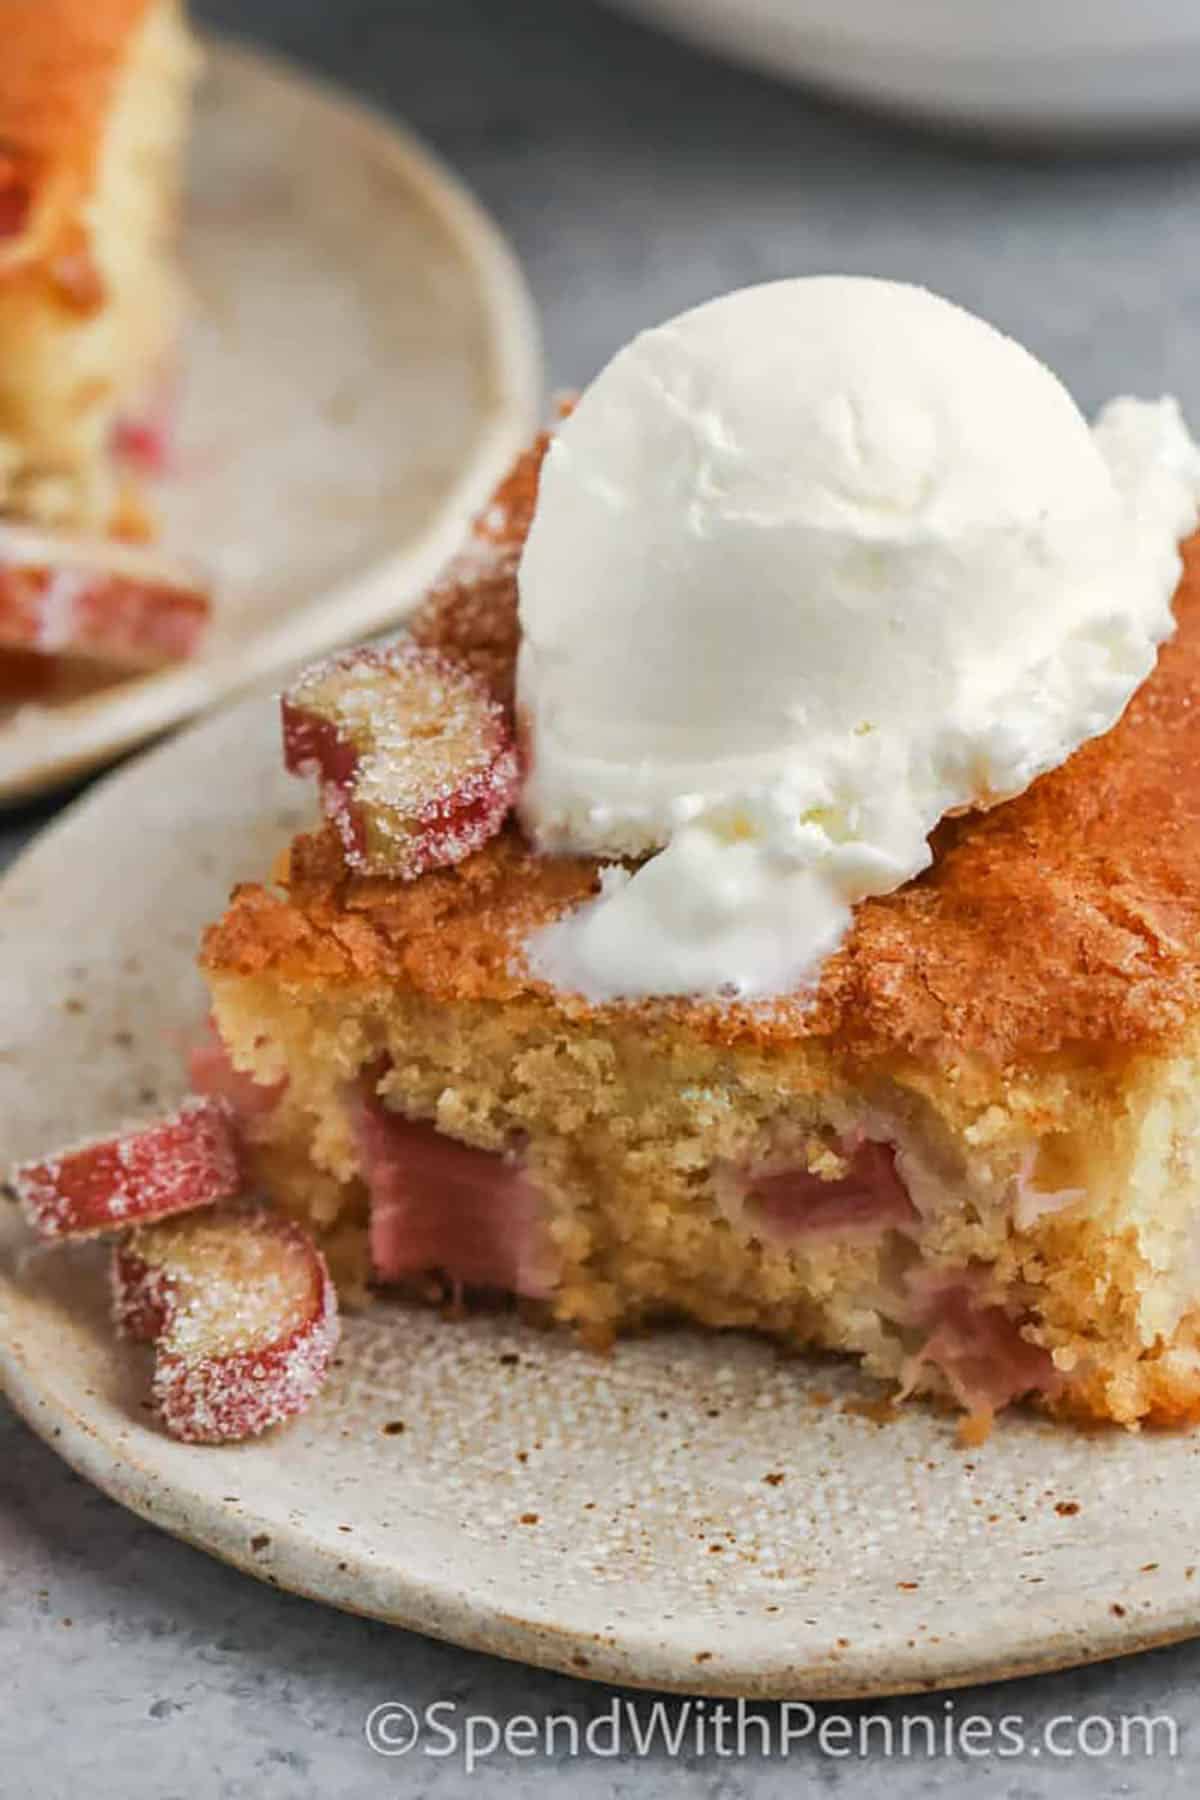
[
  {"x": 243, "y": 1316},
  {"x": 94, "y": 599},
  {"x": 174, "y": 1165}
]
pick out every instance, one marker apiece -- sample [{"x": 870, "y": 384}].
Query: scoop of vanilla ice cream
[{"x": 811, "y": 566}]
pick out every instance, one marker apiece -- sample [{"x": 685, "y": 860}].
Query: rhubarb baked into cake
[
  {"x": 965, "y": 1148},
  {"x": 93, "y": 108}
]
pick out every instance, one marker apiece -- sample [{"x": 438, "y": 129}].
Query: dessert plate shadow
[
  {"x": 691, "y": 1512},
  {"x": 360, "y": 366}
]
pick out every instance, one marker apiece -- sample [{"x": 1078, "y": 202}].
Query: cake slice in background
[{"x": 93, "y": 116}]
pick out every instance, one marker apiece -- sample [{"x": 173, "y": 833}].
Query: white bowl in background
[{"x": 1044, "y": 68}]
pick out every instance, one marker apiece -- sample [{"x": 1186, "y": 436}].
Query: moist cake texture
[{"x": 970, "y": 1157}]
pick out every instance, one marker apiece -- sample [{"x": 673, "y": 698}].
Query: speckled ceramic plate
[
  {"x": 360, "y": 365},
  {"x": 691, "y": 1512}
]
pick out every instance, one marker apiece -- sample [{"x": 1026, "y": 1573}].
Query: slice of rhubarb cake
[
  {"x": 93, "y": 112},
  {"x": 93, "y": 115},
  {"x": 970, "y": 1158}
]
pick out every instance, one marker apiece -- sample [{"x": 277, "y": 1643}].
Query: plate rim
[
  {"x": 88, "y": 733},
  {"x": 484, "y": 1629}
]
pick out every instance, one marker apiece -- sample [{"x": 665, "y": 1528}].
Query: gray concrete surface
[{"x": 633, "y": 177}]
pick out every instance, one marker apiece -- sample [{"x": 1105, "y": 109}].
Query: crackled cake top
[{"x": 1066, "y": 920}]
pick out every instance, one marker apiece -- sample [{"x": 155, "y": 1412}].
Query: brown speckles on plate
[{"x": 876, "y": 1410}]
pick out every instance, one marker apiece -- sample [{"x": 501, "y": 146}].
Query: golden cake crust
[
  {"x": 471, "y": 613},
  {"x": 57, "y": 74},
  {"x": 1063, "y": 923}
]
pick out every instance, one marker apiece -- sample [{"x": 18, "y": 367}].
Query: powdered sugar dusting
[
  {"x": 244, "y": 1314},
  {"x": 416, "y": 765},
  {"x": 113, "y": 603},
  {"x": 180, "y": 1163},
  {"x": 207, "y": 1401},
  {"x": 54, "y": 625},
  {"x": 142, "y": 1293}
]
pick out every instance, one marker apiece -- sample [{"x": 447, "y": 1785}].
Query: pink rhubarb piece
[
  {"x": 175, "y": 1165},
  {"x": 243, "y": 1316},
  {"x": 437, "y": 1204}
]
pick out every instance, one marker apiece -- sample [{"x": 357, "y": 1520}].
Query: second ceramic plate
[
  {"x": 360, "y": 366},
  {"x": 690, "y": 1512}
]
